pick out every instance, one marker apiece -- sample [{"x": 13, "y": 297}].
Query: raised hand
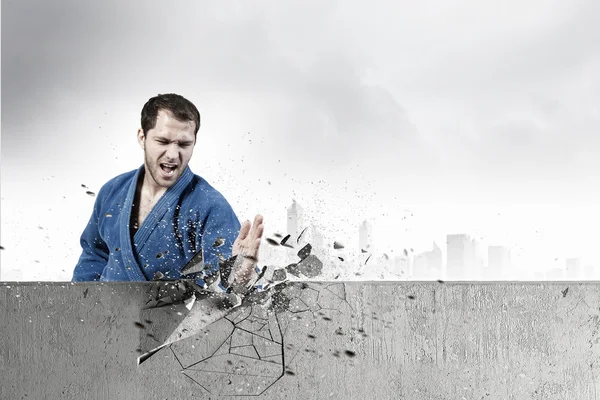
[{"x": 247, "y": 246}]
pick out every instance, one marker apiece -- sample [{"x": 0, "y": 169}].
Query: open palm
[{"x": 247, "y": 245}]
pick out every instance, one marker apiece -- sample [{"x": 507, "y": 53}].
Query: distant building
[
  {"x": 499, "y": 263},
  {"x": 402, "y": 267},
  {"x": 365, "y": 236},
  {"x": 295, "y": 220},
  {"x": 428, "y": 265},
  {"x": 573, "y": 269},
  {"x": 474, "y": 264},
  {"x": 456, "y": 256},
  {"x": 464, "y": 261}
]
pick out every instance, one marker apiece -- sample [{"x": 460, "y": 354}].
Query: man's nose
[{"x": 172, "y": 151}]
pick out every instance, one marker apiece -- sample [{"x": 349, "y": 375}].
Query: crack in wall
[{"x": 250, "y": 349}]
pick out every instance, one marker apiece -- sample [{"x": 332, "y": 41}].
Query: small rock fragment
[
  {"x": 337, "y": 245},
  {"x": 305, "y": 251},
  {"x": 279, "y": 274},
  {"x": 310, "y": 266}
]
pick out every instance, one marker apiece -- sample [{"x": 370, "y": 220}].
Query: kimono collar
[{"x": 169, "y": 198}]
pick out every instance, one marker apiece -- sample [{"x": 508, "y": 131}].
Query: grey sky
[{"x": 351, "y": 107}]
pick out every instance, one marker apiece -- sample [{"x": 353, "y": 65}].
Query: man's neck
[{"x": 149, "y": 187}]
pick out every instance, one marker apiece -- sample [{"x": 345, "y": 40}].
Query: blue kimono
[{"x": 190, "y": 216}]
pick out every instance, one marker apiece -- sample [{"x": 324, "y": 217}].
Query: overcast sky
[{"x": 356, "y": 110}]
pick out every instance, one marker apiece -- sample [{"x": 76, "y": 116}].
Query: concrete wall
[{"x": 376, "y": 340}]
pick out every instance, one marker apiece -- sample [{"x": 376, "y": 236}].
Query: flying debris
[
  {"x": 225, "y": 269},
  {"x": 158, "y": 275},
  {"x": 405, "y": 252},
  {"x": 251, "y": 258},
  {"x": 284, "y": 240},
  {"x": 272, "y": 242},
  {"x": 218, "y": 242},
  {"x": 311, "y": 266},
  {"x": 386, "y": 256},
  {"x": 279, "y": 275},
  {"x": 278, "y": 235},
  {"x": 83, "y": 186},
  {"x": 363, "y": 251},
  {"x": 300, "y": 235},
  {"x": 564, "y": 292},
  {"x": 293, "y": 269},
  {"x": 195, "y": 265},
  {"x": 341, "y": 259},
  {"x": 262, "y": 273},
  {"x": 90, "y": 193},
  {"x": 368, "y": 259},
  {"x": 305, "y": 251},
  {"x": 337, "y": 245}
]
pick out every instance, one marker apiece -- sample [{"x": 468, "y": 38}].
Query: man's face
[{"x": 168, "y": 148}]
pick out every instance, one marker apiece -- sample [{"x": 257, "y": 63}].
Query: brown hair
[{"x": 181, "y": 108}]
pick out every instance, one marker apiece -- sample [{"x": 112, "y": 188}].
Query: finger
[
  {"x": 259, "y": 232},
  {"x": 256, "y": 232},
  {"x": 244, "y": 230},
  {"x": 258, "y": 221}
]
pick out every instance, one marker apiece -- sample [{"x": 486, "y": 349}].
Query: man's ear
[{"x": 141, "y": 138}]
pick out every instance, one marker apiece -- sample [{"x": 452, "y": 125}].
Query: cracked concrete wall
[{"x": 383, "y": 340}]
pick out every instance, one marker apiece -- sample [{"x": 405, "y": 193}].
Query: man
[{"x": 151, "y": 221}]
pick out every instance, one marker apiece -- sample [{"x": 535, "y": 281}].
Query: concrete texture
[{"x": 374, "y": 340}]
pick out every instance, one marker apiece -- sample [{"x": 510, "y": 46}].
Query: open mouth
[{"x": 168, "y": 169}]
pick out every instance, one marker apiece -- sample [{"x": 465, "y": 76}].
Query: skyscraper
[
  {"x": 474, "y": 264},
  {"x": 401, "y": 267},
  {"x": 428, "y": 265},
  {"x": 295, "y": 220},
  {"x": 457, "y": 256},
  {"x": 365, "y": 236}
]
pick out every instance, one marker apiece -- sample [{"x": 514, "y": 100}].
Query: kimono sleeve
[
  {"x": 217, "y": 235},
  {"x": 95, "y": 252}
]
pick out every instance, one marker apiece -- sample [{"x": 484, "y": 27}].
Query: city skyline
[
  {"x": 463, "y": 258},
  {"x": 391, "y": 256}
]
